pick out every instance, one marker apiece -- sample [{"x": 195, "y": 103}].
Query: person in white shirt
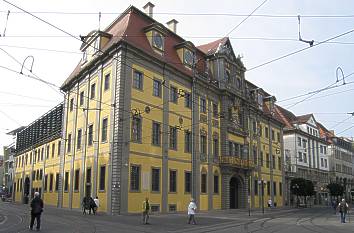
[
  {"x": 270, "y": 204},
  {"x": 192, "y": 207},
  {"x": 97, "y": 202}
]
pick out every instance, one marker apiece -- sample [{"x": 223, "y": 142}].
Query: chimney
[
  {"x": 172, "y": 25},
  {"x": 149, "y": 9}
]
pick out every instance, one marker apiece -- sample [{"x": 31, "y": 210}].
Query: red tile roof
[
  {"x": 129, "y": 28},
  {"x": 212, "y": 47}
]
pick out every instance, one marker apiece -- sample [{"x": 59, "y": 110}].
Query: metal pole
[{"x": 262, "y": 197}]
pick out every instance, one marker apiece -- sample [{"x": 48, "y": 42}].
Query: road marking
[
  {"x": 261, "y": 219},
  {"x": 3, "y": 221}
]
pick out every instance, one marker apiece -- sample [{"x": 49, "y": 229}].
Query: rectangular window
[
  {"x": 254, "y": 126},
  {"x": 57, "y": 182},
  {"x": 71, "y": 104},
  {"x": 107, "y": 80},
  {"x": 79, "y": 136},
  {"x": 266, "y": 132},
  {"x": 136, "y": 129},
  {"x": 304, "y": 142},
  {"x": 216, "y": 184},
  {"x": 47, "y": 152},
  {"x": 45, "y": 183},
  {"x": 42, "y": 154},
  {"x": 155, "y": 179},
  {"x": 279, "y": 163},
  {"x": 53, "y": 150},
  {"x": 273, "y": 135},
  {"x": 187, "y": 141},
  {"x": 173, "y": 181},
  {"x": 273, "y": 162},
  {"x": 69, "y": 143},
  {"x": 275, "y": 188},
  {"x": 156, "y": 88},
  {"x": 325, "y": 162},
  {"x": 255, "y": 183},
  {"x": 102, "y": 185},
  {"x": 104, "y": 130},
  {"x": 135, "y": 178},
  {"x": 82, "y": 98},
  {"x": 262, "y": 159},
  {"x": 215, "y": 110},
  {"x": 203, "y": 183},
  {"x": 187, "y": 182},
  {"x": 202, "y": 105},
  {"x": 30, "y": 158},
  {"x": 173, "y": 95},
  {"x": 34, "y": 175},
  {"x": 278, "y": 136},
  {"x": 66, "y": 184},
  {"x": 280, "y": 189},
  {"x": 173, "y": 138},
  {"x": 88, "y": 175},
  {"x": 267, "y": 160},
  {"x": 216, "y": 147},
  {"x": 90, "y": 135},
  {"x": 93, "y": 91},
  {"x": 59, "y": 145},
  {"x": 77, "y": 180},
  {"x": 299, "y": 141},
  {"x": 300, "y": 157},
  {"x": 203, "y": 144},
  {"x": 322, "y": 163},
  {"x": 138, "y": 80},
  {"x": 156, "y": 133},
  {"x": 268, "y": 188},
  {"x": 324, "y": 150},
  {"x": 51, "y": 176},
  {"x": 40, "y": 174},
  {"x": 187, "y": 100}
]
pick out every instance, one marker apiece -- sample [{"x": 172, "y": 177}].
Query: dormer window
[
  {"x": 158, "y": 41},
  {"x": 188, "y": 57}
]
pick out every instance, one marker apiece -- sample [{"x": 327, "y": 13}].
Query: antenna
[
  {"x": 310, "y": 42},
  {"x": 99, "y": 21}
]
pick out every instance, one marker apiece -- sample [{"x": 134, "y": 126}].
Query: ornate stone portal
[{"x": 235, "y": 188}]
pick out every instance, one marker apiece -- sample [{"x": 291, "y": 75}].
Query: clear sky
[{"x": 261, "y": 38}]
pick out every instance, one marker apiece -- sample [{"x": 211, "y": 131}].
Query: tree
[
  {"x": 302, "y": 187},
  {"x": 335, "y": 189}
]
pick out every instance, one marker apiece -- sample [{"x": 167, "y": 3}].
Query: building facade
[
  {"x": 306, "y": 154},
  {"x": 37, "y": 156},
  {"x": 9, "y": 152},
  {"x": 149, "y": 114}
]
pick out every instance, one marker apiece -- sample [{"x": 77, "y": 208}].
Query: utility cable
[
  {"x": 234, "y": 28},
  {"x": 300, "y": 50}
]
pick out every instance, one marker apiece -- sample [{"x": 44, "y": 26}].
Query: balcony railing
[{"x": 236, "y": 162}]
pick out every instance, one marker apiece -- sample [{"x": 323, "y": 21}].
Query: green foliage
[{"x": 335, "y": 189}]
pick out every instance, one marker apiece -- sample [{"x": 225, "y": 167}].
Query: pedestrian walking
[
  {"x": 146, "y": 211},
  {"x": 86, "y": 205},
  {"x": 36, "y": 211},
  {"x": 92, "y": 206},
  {"x": 270, "y": 203},
  {"x": 343, "y": 208},
  {"x": 97, "y": 203},
  {"x": 192, "y": 207}
]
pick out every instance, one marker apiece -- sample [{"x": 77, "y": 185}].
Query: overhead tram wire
[
  {"x": 341, "y": 122},
  {"x": 234, "y": 28},
  {"x": 346, "y": 129},
  {"x": 300, "y": 50},
  {"x": 311, "y": 92},
  {"x": 186, "y": 14}
]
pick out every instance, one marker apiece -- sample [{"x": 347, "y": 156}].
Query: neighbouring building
[
  {"x": 36, "y": 164},
  {"x": 341, "y": 164},
  {"x": 306, "y": 154},
  {"x": 149, "y": 114},
  {"x": 9, "y": 152}
]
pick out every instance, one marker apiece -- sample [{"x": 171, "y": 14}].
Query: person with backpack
[
  {"x": 343, "y": 208},
  {"x": 36, "y": 211},
  {"x": 146, "y": 211}
]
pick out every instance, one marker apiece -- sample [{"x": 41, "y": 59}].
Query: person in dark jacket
[
  {"x": 86, "y": 205},
  {"x": 92, "y": 206},
  {"x": 36, "y": 211}
]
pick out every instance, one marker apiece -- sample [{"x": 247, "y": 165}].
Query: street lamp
[{"x": 262, "y": 183}]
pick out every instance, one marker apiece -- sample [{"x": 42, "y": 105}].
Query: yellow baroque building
[{"x": 149, "y": 114}]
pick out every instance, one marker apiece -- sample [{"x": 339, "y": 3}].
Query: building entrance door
[{"x": 235, "y": 193}]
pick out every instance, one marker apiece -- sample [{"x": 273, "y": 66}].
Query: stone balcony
[{"x": 234, "y": 161}]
